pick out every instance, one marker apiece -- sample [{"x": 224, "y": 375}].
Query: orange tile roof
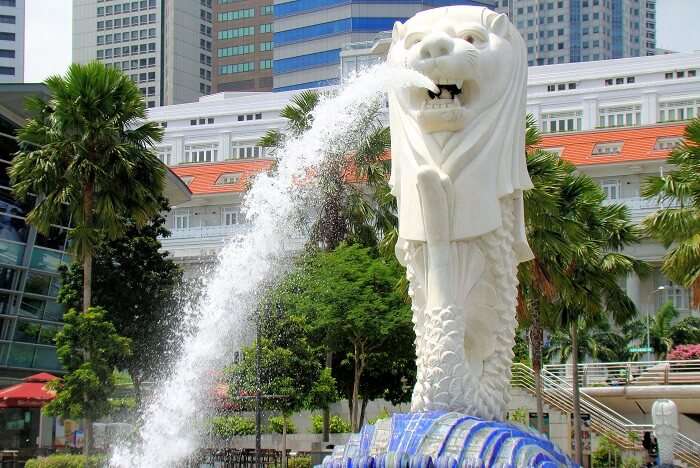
[
  {"x": 205, "y": 175},
  {"x": 638, "y": 144}
]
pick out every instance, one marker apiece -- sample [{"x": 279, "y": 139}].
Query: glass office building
[
  {"x": 309, "y": 34},
  {"x": 29, "y": 281}
]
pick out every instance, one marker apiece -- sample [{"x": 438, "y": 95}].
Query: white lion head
[{"x": 472, "y": 54}]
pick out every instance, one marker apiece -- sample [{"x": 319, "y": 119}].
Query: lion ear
[
  {"x": 498, "y": 24},
  {"x": 398, "y": 32}
]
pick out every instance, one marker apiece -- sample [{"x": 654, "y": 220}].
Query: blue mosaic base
[{"x": 446, "y": 440}]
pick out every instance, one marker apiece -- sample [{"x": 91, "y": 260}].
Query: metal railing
[
  {"x": 640, "y": 207},
  {"x": 615, "y": 374},
  {"x": 558, "y": 393},
  {"x": 208, "y": 231}
]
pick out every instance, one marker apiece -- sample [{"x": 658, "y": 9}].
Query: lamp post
[{"x": 649, "y": 307}]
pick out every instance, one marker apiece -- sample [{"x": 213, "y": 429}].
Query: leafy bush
[
  {"x": 67, "y": 461},
  {"x": 383, "y": 414},
  {"x": 632, "y": 462},
  {"x": 299, "y": 462},
  {"x": 684, "y": 353},
  {"x": 274, "y": 425},
  {"x": 337, "y": 424},
  {"x": 518, "y": 416},
  {"x": 686, "y": 331},
  {"x": 230, "y": 426},
  {"x": 607, "y": 454}
]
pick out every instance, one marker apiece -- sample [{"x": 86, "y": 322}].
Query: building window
[
  {"x": 7, "y": 19},
  {"x": 236, "y": 32},
  {"x": 265, "y": 64},
  {"x": 558, "y": 122},
  {"x": 237, "y": 68},
  {"x": 246, "y": 150},
  {"x": 267, "y": 10},
  {"x": 624, "y": 116},
  {"x": 606, "y": 149},
  {"x": 182, "y": 218},
  {"x": 679, "y": 110},
  {"x": 265, "y": 46},
  {"x": 229, "y": 178},
  {"x": 165, "y": 154},
  {"x": 236, "y": 50},
  {"x": 7, "y": 70},
  {"x": 206, "y": 152},
  {"x": 667, "y": 143},
  {"x": 265, "y": 28},
  {"x": 236, "y": 15},
  {"x": 669, "y": 291},
  {"x": 611, "y": 187},
  {"x": 7, "y": 53}
]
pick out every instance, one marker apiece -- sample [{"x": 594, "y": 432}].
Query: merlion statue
[
  {"x": 664, "y": 415},
  {"x": 458, "y": 173}
]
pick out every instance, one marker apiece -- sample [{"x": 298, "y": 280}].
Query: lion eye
[{"x": 469, "y": 39}]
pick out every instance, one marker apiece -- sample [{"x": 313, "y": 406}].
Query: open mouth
[{"x": 449, "y": 94}]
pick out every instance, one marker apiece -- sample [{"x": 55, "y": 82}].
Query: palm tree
[
  {"x": 678, "y": 226},
  {"x": 86, "y": 153},
  {"x": 660, "y": 328},
  {"x": 597, "y": 340},
  {"x": 550, "y": 236},
  {"x": 593, "y": 291}
]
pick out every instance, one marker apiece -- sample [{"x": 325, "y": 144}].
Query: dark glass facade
[{"x": 30, "y": 317}]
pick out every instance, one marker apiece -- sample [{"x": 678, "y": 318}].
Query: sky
[{"x": 48, "y": 41}]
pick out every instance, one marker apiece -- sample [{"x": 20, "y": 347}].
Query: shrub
[
  {"x": 684, "y": 352},
  {"x": 67, "y": 461},
  {"x": 274, "y": 425},
  {"x": 632, "y": 462},
  {"x": 383, "y": 414},
  {"x": 299, "y": 462},
  {"x": 337, "y": 424},
  {"x": 230, "y": 426},
  {"x": 607, "y": 454}
]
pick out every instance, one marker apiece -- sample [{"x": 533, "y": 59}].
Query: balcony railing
[
  {"x": 614, "y": 374},
  {"x": 199, "y": 232},
  {"x": 640, "y": 207}
]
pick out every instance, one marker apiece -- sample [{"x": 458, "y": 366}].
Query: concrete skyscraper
[
  {"x": 11, "y": 41},
  {"x": 564, "y": 31},
  {"x": 309, "y": 34},
  {"x": 164, "y": 45}
]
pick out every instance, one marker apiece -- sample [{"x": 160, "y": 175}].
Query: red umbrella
[{"x": 29, "y": 394}]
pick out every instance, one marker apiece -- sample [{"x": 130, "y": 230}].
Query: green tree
[
  {"x": 596, "y": 340},
  {"x": 660, "y": 329},
  {"x": 136, "y": 283},
  {"x": 87, "y": 346},
  {"x": 686, "y": 331},
  {"x": 86, "y": 153},
  {"x": 678, "y": 225},
  {"x": 350, "y": 304},
  {"x": 87, "y": 150},
  {"x": 576, "y": 240}
]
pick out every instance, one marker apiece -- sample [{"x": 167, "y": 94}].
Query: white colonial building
[{"x": 613, "y": 119}]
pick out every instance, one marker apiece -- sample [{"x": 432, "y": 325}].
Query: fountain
[
  {"x": 458, "y": 173},
  {"x": 456, "y": 78}
]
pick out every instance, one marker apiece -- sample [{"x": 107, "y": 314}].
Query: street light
[{"x": 650, "y": 306}]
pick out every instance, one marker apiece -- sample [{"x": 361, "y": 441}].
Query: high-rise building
[
  {"x": 309, "y": 34},
  {"x": 564, "y": 31},
  {"x": 243, "y": 45},
  {"x": 164, "y": 45},
  {"x": 11, "y": 41}
]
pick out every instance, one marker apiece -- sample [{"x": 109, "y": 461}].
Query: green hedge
[
  {"x": 67, "y": 461},
  {"x": 230, "y": 426},
  {"x": 299, "y": 462},
  {"x": 338, "y": 424},
  {"x": 274, "y": 424}
]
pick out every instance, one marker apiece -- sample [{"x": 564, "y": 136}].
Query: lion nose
[{"x": 435, "y": 46}]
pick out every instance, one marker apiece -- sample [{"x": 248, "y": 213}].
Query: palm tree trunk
[
  {"x": 536, "y": 344},
  {"x": 578, "y": 449},
  {"x": 362, "y": 412},
  {"x": 355, "y": 391},
  {"x": 87, "y": 255},
  {"x": 87, "y": 298}
]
